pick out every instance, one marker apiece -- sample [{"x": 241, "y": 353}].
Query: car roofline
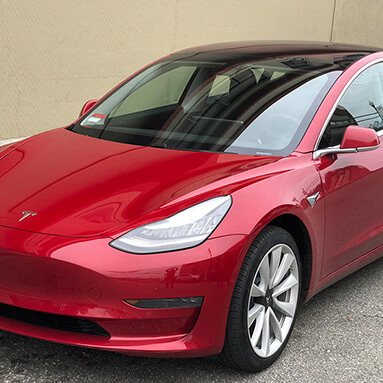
[{"x": 279, "y": 47}]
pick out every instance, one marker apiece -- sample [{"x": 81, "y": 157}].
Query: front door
[{"x": 353, "y": 182}]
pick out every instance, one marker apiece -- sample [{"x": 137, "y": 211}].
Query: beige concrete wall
[
  {"x": 359, "y": 22},
  {"x": 55, "y": 55}
]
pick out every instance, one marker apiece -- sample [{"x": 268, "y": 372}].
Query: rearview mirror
[
  {"x": 355, "y": 139},
  {"x": 88, "y": 106}
]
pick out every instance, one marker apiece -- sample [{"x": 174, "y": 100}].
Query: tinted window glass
[
  {"x": 166, "y": 89},
  {"x": 260, "y": 107},
  {"x": 362, "y": 104},
  {"x": 275, "y": 126}
]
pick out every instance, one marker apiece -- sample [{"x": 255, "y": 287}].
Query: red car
[{"x": 191, "y": 210}]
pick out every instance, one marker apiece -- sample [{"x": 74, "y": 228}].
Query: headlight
[{"x": 188, "y": 228}]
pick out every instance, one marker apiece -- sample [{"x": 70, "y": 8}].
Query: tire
[{"x": 264, "y": 302}]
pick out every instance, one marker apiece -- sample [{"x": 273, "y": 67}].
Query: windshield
[{"x": 254, "y": 107}]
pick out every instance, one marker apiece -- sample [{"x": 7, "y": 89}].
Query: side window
[
  {"x": 164, "y": 90},
  {"x": 362, "y": 104},
  {"x": 221, "y": 86}
]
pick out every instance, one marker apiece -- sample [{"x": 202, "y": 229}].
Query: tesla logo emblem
[{"x": 26, "y": 214}]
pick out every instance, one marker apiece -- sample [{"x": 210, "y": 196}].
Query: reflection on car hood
[{"x": 82, "y": 186}]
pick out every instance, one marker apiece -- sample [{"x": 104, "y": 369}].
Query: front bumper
[{"x": 85, "y": 278}]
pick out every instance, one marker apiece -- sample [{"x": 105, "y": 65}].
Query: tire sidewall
[{"x": 268, "y": 238}]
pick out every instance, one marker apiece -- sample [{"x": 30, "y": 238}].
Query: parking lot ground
[{"x": 338, "y": 337}]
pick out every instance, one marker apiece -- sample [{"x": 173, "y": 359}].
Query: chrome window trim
[{"x": 380, "y": 132}]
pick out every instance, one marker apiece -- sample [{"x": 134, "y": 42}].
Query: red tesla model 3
[{"x": 191, "y": 210}]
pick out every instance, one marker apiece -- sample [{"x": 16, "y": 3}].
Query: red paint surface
[
  {"x": 87, "y": 191},
  {"x": 358, "y": 137}
]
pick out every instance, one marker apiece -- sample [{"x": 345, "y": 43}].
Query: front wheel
[{"x": 264, "y": 303}]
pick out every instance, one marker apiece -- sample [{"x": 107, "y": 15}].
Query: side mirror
[
  {"x": 88, "y": 106},
  {"x": 363, "y": 139},
  {"x": 355, "y": 139}
]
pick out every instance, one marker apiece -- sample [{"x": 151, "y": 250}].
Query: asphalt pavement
[{"x": 338, "y": 337}]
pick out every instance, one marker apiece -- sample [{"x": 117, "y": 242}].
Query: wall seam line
[{"x": 333, "y": 20}]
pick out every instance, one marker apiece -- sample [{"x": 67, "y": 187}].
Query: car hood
[{"x": 82, "y": 186}]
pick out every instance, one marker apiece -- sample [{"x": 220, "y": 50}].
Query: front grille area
[{"x": 52, "y": 321}]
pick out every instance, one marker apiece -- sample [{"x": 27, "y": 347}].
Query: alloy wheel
[{"x": 273, "y": 300}]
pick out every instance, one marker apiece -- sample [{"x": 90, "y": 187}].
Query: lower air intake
[{"x": 52, "y": 321}]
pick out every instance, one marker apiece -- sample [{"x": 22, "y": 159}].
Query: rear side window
[
  {"x": 221, "y": 86},
  {"x": 362, "y": 105}
]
